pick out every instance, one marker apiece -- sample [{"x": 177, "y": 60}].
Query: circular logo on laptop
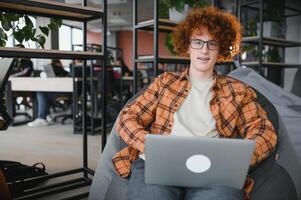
[{"x": 198, "y": 163}]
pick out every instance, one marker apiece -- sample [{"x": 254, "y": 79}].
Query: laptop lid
[
  {"x": 48, "y": 69},
  {"x": 196, "y": 161},
  {"x": 5, "y": 70}
]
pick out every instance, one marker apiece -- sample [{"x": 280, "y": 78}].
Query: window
[
  {"x": 70, "y": 39},
  {"x": 77, "y": 39},
  {"x": 65, "y": 38}
]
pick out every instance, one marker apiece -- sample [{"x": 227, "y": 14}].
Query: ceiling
[{"x": 119, "y": 13}]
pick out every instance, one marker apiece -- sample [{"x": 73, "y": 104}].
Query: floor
[{"x": 55, "y": 145}]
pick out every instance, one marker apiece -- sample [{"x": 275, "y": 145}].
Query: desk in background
[{"x": 36, "y": 84}]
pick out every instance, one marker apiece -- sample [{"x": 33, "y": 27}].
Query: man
[
  {"x": 45, "y": 98},
  {"x": 21, "y": 67},
  {"x": 197, "y": 102}
]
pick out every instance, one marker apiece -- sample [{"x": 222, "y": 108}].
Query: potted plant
[
  {"x": 10, "y": 22},
  {"x": 179, "y": 8},
  {"x": 177, "y": 11}
]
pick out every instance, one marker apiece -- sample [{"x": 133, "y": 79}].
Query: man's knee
[{"x": 216, "y": 192}]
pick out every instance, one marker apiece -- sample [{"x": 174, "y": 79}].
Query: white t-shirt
[{"x": 194, "y": 117}]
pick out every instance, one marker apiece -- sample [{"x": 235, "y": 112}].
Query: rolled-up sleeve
[
  {"x": 254, "y": 124},
  {"x": 136, "y": 116}
]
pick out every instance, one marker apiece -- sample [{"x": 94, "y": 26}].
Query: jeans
[
  {"x": 43, "y": 99},
  {"x": 138, "y": 190}
]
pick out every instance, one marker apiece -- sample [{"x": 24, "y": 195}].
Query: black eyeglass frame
[{"x": 205, "y": 42}]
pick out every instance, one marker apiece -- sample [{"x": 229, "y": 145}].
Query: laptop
[
  {"x": 48, "y": 69},
  {"x": 197, "y": 161}
]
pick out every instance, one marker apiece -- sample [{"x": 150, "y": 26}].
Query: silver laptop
[
  {"x": 196, "y": 161},
  {"x": 48, "y": 69},
  {"x": 5, "y": 71}
]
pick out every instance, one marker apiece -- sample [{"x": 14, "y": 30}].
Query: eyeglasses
[{"x": 198, "y": 44}]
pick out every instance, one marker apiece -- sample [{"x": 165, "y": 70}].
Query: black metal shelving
[
  {"x": 155, "y": 25},
  {"x": 45, "y": 8},
  {"x": 275, "y": 70}
]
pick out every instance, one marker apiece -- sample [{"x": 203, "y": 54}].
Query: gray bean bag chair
[
  {"x": 287, "y": 104},
  {"x": 276, "y": 178}
]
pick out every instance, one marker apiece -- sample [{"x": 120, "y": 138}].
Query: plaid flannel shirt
[{"x": 234, "y": 107}]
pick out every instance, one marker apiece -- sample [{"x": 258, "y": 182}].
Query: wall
[
  {"x": 93, "y": 37},
  {"x": 145, "y": 45}
]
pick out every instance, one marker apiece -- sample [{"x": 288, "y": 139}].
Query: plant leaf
[
  {"x": 19, "y": 36},
  {"x": 42, "y": 41},
  {"x": 2, "y": 43},
  {"x": 6, "y": 23},
  {"x": 44, "y": 29},
  {"x": 15, "y": 17},
  {"x": 33, "y": 33},
  {"x": 3, "y": 35},
  {"x": 51, "y": 26},
  {"x": 169, "y": 44},
  {"x": 55, "y": 24},
  {"x": 28, "y": 21},
  {"x": 26, "y": 30}
]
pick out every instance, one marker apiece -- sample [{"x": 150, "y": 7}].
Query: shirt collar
[{"x": 185, "y": 75}]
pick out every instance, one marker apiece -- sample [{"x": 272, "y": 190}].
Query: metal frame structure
[
  {"x": 92, "y": 47},
  {"x": 260, "y": 40},
  {"x": 154, "y": 25},
  {"x": 77, "y": 13}
]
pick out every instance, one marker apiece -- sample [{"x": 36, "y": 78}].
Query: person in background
[
  {"x": 125, "y": 71},
  {"x": 4, "y": 190},
  {"x": 58, "y": 69},
  {"x": 45, "y": 98},
  {"x": 195, "y": 103},
  {"x": 21, "y": 67}
]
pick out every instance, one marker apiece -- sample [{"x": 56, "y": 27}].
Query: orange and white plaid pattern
[{"x": 234, "y": 107}]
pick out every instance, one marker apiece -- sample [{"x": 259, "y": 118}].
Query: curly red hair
[{"x": 223, "y": 26}]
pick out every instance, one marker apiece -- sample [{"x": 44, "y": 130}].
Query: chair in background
[{"x": 64, "y": 104}]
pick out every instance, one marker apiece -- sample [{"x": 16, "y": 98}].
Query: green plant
[
  {"x": 169, "y": 44},
  {"x": 11, "y": 22},
  {"x": 179, "y": 5},
  {"x": 251, "y": 28},
  {"x": 273, "y": 11},
  {"x": 163, "y": 10},
  {"x": 273, "y": 55}
]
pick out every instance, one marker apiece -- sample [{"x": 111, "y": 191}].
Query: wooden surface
[{"x": 43, "y": 6}]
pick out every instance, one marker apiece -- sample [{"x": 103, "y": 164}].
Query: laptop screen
[{"x": 5, "y": 67}]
